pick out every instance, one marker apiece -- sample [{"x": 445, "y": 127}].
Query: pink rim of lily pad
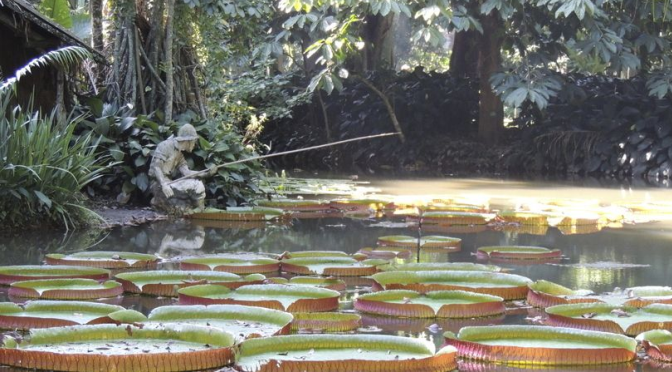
[
  {"x": 104, "y": 259},
  {"x": 47, "y": 314},
  {"x": 404, "y": 241},
  {"x": 166, "y": 283},
  {"x": 361, "y": 353},
  {"x": 106, "y": 348},
  {"x": 331, "y": 266},
  {"x": 309, "y": 254},
  {"x": 242, "y": 321},
  {"x": 325, "y": 322},
  {"x": 507, "y": 286},
  {"x": 439, "y": 304},
  {"x": 545, "y": 294},
  {"x": 334, "y": 284},
  {"x": 517, "y": 253},
  {"x": 232, "y": 263},
  {"x": 657, "y": 344},
  {"x": 455, "y": 218},
  {"x": 603, "y": 317},
  {"x": 541, "y": 345},
  {"x": 65, "y": 289},
  {"x": 290, "y": 298},
  {"x": 11, "y": 274}
]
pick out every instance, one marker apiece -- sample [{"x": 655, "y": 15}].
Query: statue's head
[{"x": 187, "y": 137}]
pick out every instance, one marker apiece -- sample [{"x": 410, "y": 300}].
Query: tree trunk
[
  {"x": 379, "y": 38},
  {"x": 168, "y": 108},
  {"x": 491, "y": 111},
  {"x": 96, "y": 9},
  {"x": 464, "y": 58}
]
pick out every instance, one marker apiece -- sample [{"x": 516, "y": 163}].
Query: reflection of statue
[
  {"x": 182, "y": 242},
  {"x": 182, "y": 196}
]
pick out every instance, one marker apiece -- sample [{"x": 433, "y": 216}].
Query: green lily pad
[
  {"x": 657, "y": 344},
  {"x": 544, "y": 294},
  {"x": 291, "y": 298},
  {"x": 309, "y": 254},
  {"x": 455, "y": 218},
  {"x": 11, "y": 274},
  {"x": 104, "y": 259},
  {"x": 361, "y": 204},
  {"x": 295, "y": 204},
  {"x": 166, "y": 283},
  {"x": 331, "y": 266},
  {"x": 65, "y": 289},
  {"x": 386, "y": 253},
  {"x": 361, "y": 353},
  {"x": 325, "y": 322},
  {"x": 441, "y": 266},
  {"x": 232, "y": 263},
  {"x": 242, "y": 321},
  {"x": 239, "y": 214},
  {"x": 444, "y": 242},
  {"x": 524, "y": 218},
  {"x": 314, "y": 281},
  {"x": 507, "y": 286},
  {"x": 120, "y": 348},
  {"x": 518, "y": 253},
  {"x": 611, "y": 318},
  {"x": 46, "y": 314},
  {"x": 441, "y": 304},
  {"x": 542, "y": 345}
]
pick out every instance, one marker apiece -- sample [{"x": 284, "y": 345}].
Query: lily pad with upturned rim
[
  {"x": 361, "y": 353},
  {"x": 166, "y": 283},
  {"x": 524, "y": 218},
  {"x": 611, "y": 318},
  {"x": 439, "y": 304},
  {"x": 540, "y": 345},
  {"x": 65, "y": 289},
  {"x": 120, "y": 348},
  {"x": 361, "y": 204},
  {"x": 455, "y": 218},
  {"x": 239, "y": 214},
  {"x": 331, "y": 266},
  {"x": 104, "y": 259},
  {"x": 520, "y": 252},
  {"x": 308, "y": 254},
  {"x": 507, "y": 286},
  {"x": 232, "y": 263},
  {"x": 657, "y": 344},
  {"x": 296, "y": 205},
  {"x": 11, "y": 274},
  {"x": 290, "y": 298},
  {"x": 545, "y": 294},
  {"x": 325, "y": 322},
  {"x": 386, "y": 253},
  {"x": 47, "y": 314},
  {"x": 443, "y": 242},
  {"x": 242, "y": 321},
  {"x": 314, "y": 281},
  {"x": 441, "y": 266}
]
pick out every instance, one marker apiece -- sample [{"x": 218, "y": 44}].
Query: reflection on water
[{"x": 649, "y": 245}]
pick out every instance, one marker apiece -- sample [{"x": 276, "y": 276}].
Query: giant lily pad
[
  {"x": 166, "y": 283},
  {"x": 611, "y": 318},
  {"x": 544, "y": 294},
  {"x": 65, "y": 289},
  {"x": 331, "y": 266},
  {"x": 46, "y": 314},
  {"x": 386, "y": 253},
  {"x": 295, "y": 205},
  {"x": 440, "y": 304},
  {"x": 325, "y": 322},
  {"x": 314, "y": 281},
  {"x": 309, "y": 254},
  {"x": 361, "y": 353},
  {"x": 444, "y": 242},
  {"x": 455, "y": 218},
  {"x": 242, "y": 321},
  {"x": 658, "y": 344},
  {"x": 103, "y": 259},
  {"x": 232, "y": 263},
  {"x": 450, "y": 207},
  {"x": 441, "y": 266},
  {"x": 291, "y": 298},
  {"x": 518, "y": 253},
  {"x": 239, "y": 214},
  {"x": 524, "y": 218},
  {"x": 120, "y": 348},
  {"x": 542, "y": 345},
  {"x": 644, "y": 296},
  {"x": 11, "y": 274},
  {"x": 351, "y": 205},
  {"x": 507, "y": 286}
]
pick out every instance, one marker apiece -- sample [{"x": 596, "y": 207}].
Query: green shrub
[{"x": 43, "y": 167}]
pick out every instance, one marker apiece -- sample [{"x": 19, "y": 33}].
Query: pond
[{"x": 624, "y": 255}]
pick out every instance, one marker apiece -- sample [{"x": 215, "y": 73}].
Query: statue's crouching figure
[{"x": 180, "y": 197}]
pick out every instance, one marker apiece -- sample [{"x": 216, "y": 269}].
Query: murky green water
[{"x": 646, "y": 248}]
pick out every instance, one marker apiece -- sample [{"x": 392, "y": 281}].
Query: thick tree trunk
[
  {"x": 168, "y": 108},
  {"x": 379, "y": 38},
  {"x": 464, "y": 58},
  {"x": 491, "y": 111},
  {"x": 96, "y": 9}
]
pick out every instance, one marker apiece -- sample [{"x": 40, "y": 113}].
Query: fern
[{"x": 63, "y": 57}]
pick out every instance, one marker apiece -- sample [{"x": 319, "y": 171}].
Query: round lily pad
[
  {"x": 331, "y": 266},
  {"x": 443, "y": 242},
  {"x": 361, "y": 204},
  {"x": 518, "y": 253},
  {"x": 314, "y": 281},
  {"x": 120, "y": 348},
  {"x": 507, "y": 286},
  {"x": 386, "y": 253},
  {"x": 309, "y": 254},
  {"x": 325, "y": 322},
  {"x": 541, "y": 345},
  {"x": 545, "y": 294},
  {"x": 441, "y": 266},
  {"x": 611, "y": 318},
  {"x": 166, "y": 283},
  {"x": 104, "y": 259},
  {"x": 65, "y": 289},
  {"x": 11, "y": 274},
  {"x": 291, "y": 298},
  {"x": 361, "y": 353},
  {"x": 524, "y": 218},
  {"x": 439, "y": 304},
  {"x": 442, "y": 207},
  {"x": 232, "y": 263},
  {"x": 657, "y": 344},
  {"x": 295, "y": 205},
  {"x": 242, "y": 321},
  {"x": 239, "y": 214},
  {"x": 455, "y": 218},
  {"x": 643, "y": 296},
  {"x": 46, "y": 314}
]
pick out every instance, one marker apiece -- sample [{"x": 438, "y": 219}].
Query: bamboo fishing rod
[{"x": 196, "y": 174}]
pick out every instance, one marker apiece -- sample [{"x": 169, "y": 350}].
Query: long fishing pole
[{"x": 196, "y": 174}]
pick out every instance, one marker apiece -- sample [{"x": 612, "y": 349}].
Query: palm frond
[{"x": 63, "y": 57}]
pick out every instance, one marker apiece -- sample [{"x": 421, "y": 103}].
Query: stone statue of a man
[{"x": 183, "y": 196}]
